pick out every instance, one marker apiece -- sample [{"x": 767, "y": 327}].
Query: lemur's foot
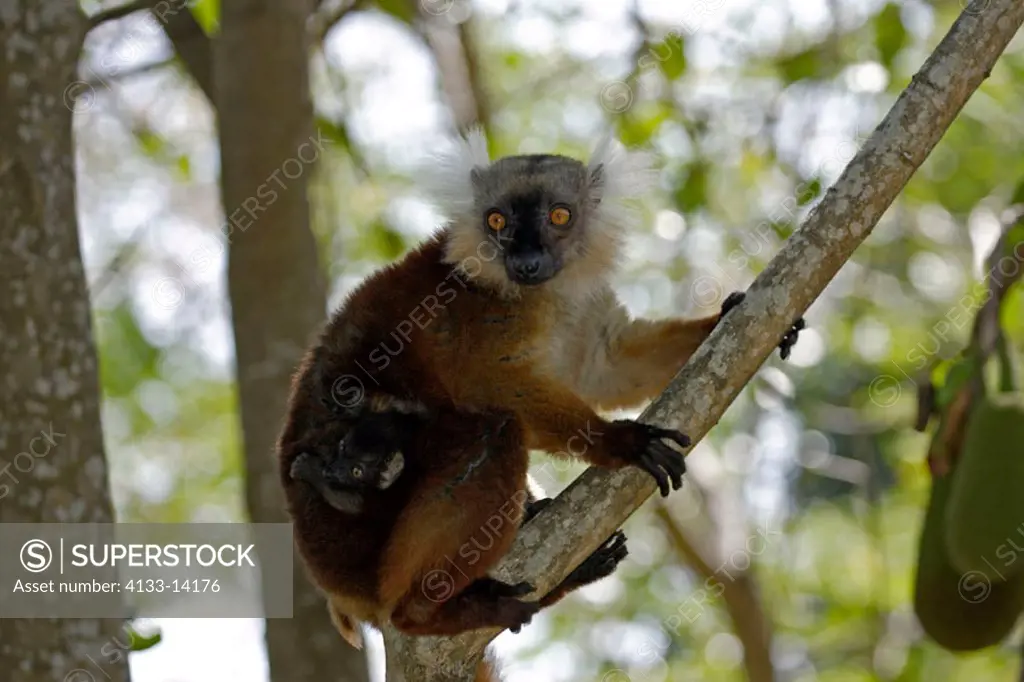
[
  {"x": 789, "y": 339},
  {"x": 535, "y": 507},
  {"x": 499, "y": 589},
  {"x": 601, "y": 563}
]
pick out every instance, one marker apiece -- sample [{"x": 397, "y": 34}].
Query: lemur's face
[
  {"x": 537, "y": 220},
  {"x": 343, "y": 470},
  {"x": 355, "y": 468},
  {"x": 534, "y": 219},
  {"x": 533, "y": 209}
]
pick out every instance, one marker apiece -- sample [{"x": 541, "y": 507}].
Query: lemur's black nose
[{"x": 528, "y": 265}]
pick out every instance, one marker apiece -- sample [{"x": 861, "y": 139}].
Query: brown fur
[
  {"x": 497, "y": 343},
  {"x": 502, "y": 342},
  {"x": 419, "y": 332},
  {"x": 487, "y": 672}
]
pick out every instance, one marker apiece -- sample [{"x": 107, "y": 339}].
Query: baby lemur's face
[
  {"x": 534, "y": 209},
  {"x": 365, "y": 469},
  {"x": 344, "y": 471}
]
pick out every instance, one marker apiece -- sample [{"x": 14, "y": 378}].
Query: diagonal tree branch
[
  {"x": 119, "y": 12},
  {"x": 191, "y": 43},
  {"x": 323, "y": 19},
  {"x": 599, "y": 501},
  {"x": 457, "y": 57}
]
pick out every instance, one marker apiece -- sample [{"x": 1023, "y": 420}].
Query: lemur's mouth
[
  {"x": 396, "y": 462},
  {"x": 530, "y": 267},
  {"x": 529, "y": 280}
]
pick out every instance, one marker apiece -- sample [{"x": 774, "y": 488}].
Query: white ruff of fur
[
  {"x": 446, "y": 178},
  {"x": 617, "y": 175}
]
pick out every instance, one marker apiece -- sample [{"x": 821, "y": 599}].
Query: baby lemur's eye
[
  {"x": 559, "y": 215},
  {"x": 495, "y": 220},
  {"x": 357, "y": 471}
]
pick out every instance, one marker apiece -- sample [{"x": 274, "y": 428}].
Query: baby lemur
[
  {"x": 502, "y": 334},
  {"x": 369, "y": 460}
]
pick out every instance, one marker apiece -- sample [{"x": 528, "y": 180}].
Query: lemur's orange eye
[
  {"x": 495, "y": 220},
  {"x": 560, "y": 216}
]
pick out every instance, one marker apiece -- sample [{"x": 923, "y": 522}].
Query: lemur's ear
[
  {"x": 595, "y": 181},
  {"x": 615, "y": 178},
  {"x": 302, "y": 467},
  {"x": 617, "y": 173},
  {"x": 450, "y": 175}
]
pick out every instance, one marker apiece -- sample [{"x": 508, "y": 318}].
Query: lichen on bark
[{"x": 49, "y": 385}]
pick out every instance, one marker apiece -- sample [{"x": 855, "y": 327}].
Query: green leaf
[
  {"x": 692, "y": 193},
  {"x": 404, "y": 10},
  {"x": 950, "y": 376},
  {"x": 337, "y": 133},
  {"x": 961, "y": 193},
  {"x": 159, "y": 149},
  {"x": 782, "y": 228},
  {"x": 1007, "y": 361},
  {"x": 1014, "y": 239},
  {"x": 808, "y": 191},
  {"x": 1018, "y": 194},
  {"x": 799, "y": 66},
  {"x": 890, "y": 34},
  {"x": 136, "y": 358},
  {"x": 940, "y": 371},
  {"x": 512, "y": 60},
  {"x": 383, "y": 242},
  {"x": 207, "y": 14},
  {"x": 638, "y": 126},
  {"x": 152, "y": 145},
  {"x": 140, "y": 642},
  {"x": 671, "y": 56},
  {"x": 184, "y": 167}
]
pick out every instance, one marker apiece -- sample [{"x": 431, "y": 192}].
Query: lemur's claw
[
  {"x": 535, "y": 507},
  {"x": 658, "y": 459},
  {"x": 732, "y": 300},
  {"x": 789, "y": 339},
  {"x": 602, "y": 562}
]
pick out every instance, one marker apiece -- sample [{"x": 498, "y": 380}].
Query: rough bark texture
[
  {"x": 278, "y": 293},
  {"x": 599, "y": 501},
  {"x": 458, "y": 68},
  {"x": 52, "y": 466}
]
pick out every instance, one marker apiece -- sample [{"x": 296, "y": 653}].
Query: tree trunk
[
  {"x": 49, "y": 385},
  {"x": 277, "y": 289}
]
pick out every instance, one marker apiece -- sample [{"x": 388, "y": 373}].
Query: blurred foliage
[
  {"x": 140, "y": 641},
  {"x": 753, "y": 109},
  {"x": 207, "y": 13}
]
